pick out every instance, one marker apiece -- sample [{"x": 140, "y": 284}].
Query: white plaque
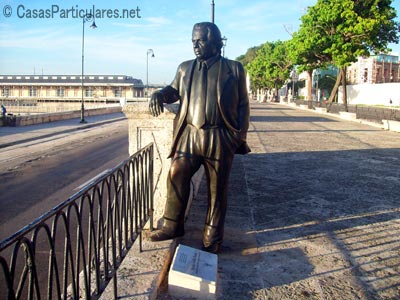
[{"x": 193, "y": 273}]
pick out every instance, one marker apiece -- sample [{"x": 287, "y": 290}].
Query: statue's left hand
[{"x": 156, "y": 104}]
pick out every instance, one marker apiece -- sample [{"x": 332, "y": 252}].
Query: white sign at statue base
[{"x": 193, "y": 274}]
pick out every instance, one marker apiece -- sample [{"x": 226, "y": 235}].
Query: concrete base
[
  {"x": 193, "y": 274},
  {"x": 347, "y": 116},
  {"x": 391, "y": 125},
  {"x": 320, "y": 109}
]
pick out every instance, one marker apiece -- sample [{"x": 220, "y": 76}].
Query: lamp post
[
  {"x": 149, "y": 51},
  {"x": 212, "y": 11},
  {"x": 86, "y": 18},
  {"x": 224, "y": 41}
]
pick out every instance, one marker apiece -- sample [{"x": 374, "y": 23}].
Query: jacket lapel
[{"x": 187, "y": 79}]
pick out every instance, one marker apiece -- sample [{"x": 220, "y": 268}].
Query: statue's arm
[
  {"x": 168, "y": 94},
  {"x": 244, "y": 106},
  {"x": 158, "y": 98}
]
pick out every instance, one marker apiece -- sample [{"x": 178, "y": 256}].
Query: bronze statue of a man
[{"x": 210, "y": 127}]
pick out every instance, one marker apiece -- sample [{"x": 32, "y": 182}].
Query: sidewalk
[
  {"x": 10, "y": 136},
  {"x": 313, "y": 211}
]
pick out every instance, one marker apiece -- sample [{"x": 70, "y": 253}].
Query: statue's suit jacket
[{"x": 233, "y": 102}]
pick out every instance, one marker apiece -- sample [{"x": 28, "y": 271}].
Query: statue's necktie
[{"x": 199, "y": 104}]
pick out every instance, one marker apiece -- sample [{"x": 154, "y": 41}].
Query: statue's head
[{"x": 206, "y": 39}]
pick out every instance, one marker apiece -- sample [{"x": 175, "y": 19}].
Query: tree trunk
[
  {"x": 309, "y": 86},
  {"x": 344, "y": 89},
  {"x": 335, "y": 89}
]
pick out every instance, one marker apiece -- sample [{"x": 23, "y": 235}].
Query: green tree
[
  {"x": 251, "y": 53},
  {"x": 338, "y": 31},
  {"x": 271, "y": 66}
]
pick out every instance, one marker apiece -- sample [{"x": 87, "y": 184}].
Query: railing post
[{"x": 151, "y": 187}]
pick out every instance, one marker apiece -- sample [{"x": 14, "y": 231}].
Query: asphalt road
[{"x": 36, "y": 176}]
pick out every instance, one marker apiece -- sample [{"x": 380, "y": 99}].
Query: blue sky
[{"x": 119, "y": 45}]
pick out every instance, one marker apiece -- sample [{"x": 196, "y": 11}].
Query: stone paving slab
[{"x": 313, "y": 211}]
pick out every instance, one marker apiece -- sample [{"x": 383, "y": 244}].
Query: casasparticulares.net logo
[{"x": 55, "y": 11}]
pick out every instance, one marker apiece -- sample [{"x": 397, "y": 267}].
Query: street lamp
[
  {"x": 86, "y": 18},
  {"x": 149, "y": 51}
]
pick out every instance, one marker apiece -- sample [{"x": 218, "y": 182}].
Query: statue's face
[{"x": 203, "y": 47}]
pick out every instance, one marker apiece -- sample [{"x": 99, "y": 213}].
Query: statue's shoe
[
  {"x": 213, "y": 248},
  {"x": 163, "y": 235}
]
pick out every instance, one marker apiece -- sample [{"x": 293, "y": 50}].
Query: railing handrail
[{"x": 122, "y": 198}]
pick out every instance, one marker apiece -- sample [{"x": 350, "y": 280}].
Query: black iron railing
[{"x": 74, "y": 250}]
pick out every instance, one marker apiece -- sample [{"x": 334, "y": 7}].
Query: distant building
[
  {"x": 69, "y": 87},
  {"x": 382, "y": 68}
]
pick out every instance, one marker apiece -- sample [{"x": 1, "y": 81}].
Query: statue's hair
[{"x": 213, "y": 33}]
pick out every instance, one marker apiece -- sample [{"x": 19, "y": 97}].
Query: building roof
[{"x": 97, "y": 80}]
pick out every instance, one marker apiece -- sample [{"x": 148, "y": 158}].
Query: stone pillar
[{"x": 145, "y": 129}]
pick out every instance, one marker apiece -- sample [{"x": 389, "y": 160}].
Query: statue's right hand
[{"x": 156, "y": 104}]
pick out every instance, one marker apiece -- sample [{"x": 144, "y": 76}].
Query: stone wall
[
  {"x": 366, "y": 112},
  {"x": 21, "y": 107},
  {"x": 377, "y": 113},
  {"x": 51, "y": 117},
  {"x": 145, "y": 129},
  {"x": 373, "y": 94}
]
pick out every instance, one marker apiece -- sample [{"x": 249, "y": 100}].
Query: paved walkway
[
  {"x": 313, "y": 211},
  {"x": 10, "y": 136}
]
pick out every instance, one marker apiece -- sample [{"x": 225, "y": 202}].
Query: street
[{"x": 38, "y": 175}]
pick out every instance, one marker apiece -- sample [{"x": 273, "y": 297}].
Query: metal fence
[{"x": 75, "y": 249}]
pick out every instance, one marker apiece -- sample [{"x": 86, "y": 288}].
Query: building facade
[
  {"x": 69, "y": 87},
  {"x": 382, "y": 68}
]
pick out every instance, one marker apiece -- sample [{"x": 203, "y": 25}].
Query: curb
[{"x": 342, "y": 117}]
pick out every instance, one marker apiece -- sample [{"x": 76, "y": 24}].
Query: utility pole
[{"x": 212, "y": 11}]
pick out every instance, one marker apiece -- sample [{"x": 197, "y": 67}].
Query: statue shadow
[{"x": 308, "y": 224}]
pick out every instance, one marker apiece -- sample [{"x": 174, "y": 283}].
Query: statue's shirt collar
[{"x": 209, "y": 62}]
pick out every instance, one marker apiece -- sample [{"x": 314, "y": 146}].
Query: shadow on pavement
[{"x": 306, "y": 225}]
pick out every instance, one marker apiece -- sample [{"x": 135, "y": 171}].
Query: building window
[
  {"x": 118, "y": 92},
  {"x": 89, "y": 92},
  {"x": 5, "y": 92},
  {"x": 32, "y": 91},
  {"x": 60, "y": 91}
]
